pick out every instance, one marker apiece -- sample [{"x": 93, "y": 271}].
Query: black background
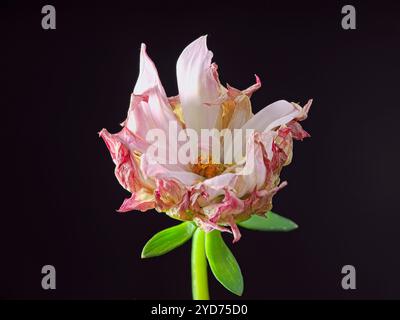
[{"x": 60, "y": 87}]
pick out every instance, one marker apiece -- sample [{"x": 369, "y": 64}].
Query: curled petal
[
  {"x": 233, "y": 92},
  {"x": 169, "y": 194},
  {"x": 235, "y": 230},
  {"x": 261, "y": 201},
  {"x": 250, "y": 90},
  {"x": 297, "y": 130},
  {"x": 230, "y": 206},
  {"x": 208, "y": 226},
  {"x": 273, "y": 115},
  {"x": 283, "y": 148},
  {"x": 303, "y": 111},
  {"x": 126, "y": 166},
  {"x": 140, "y": 200},
  {"x": 126, "y": 137}
]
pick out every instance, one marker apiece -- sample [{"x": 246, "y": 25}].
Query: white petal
[
  {"x": 198, "y": 88},
  {"x": 215, "y": 186},
  {"x": 254, "y": 172},
  {"x": 152, "y": 169},
  {"x": 267, "y": 138},
  {"x": 273, "y": 115}
]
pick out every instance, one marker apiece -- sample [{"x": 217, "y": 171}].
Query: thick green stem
[{"x": 199, "y": 267}]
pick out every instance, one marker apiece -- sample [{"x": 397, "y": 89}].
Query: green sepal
[
  {"x": 223, "y": 264},
  {"x": 168, "y": 239},
  {"x": 270, "y": 222}
]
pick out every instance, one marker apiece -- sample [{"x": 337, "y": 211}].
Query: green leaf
[
  {"x": 271, "y": 222},
  {"x": 223, "y": 264},
  {"x": 168, "y": 239}
]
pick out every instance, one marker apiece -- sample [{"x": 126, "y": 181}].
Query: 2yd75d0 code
[{"x": 225, "y": 309}]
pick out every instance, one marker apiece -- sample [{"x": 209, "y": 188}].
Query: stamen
[{"x": 209, "y": 169}]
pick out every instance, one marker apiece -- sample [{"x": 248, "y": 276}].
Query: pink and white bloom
[{"x": 213, "y": 195}]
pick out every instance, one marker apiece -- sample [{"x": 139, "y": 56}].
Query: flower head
[{"x": 213, "y": 191}]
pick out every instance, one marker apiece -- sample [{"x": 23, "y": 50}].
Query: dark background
[{"x": 60, "y": 87}]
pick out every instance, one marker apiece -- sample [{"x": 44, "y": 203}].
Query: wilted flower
[{"x": 212, "y": 194}]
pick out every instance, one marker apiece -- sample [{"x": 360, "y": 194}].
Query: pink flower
[{"x": 213, "y": 195}]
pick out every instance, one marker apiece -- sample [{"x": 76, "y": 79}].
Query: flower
[{"x": 212, "y": 194}]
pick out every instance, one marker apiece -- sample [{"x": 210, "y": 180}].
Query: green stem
[{"x": 199, "y": 267}]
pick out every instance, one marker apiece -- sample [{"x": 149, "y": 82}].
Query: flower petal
[
  {"x": 198, "y": 86},
  {"x": 170, "y": 194},
  {"x": 152, "y": 169},
  {"x": 273, "y": 115},
  {"x": 250, "y": 90},
  {"x": 140, "y": 200},
  {"x": 235, "y": 230},
  {"x": 231, "y": 205},
  {"x": 242, "y": 112},
  {"x": 260, "y": 201},
  {"x": 297, "y": 130},
  {"x": 126, "y": 166},
  {"x": 205, "y": 192},
  {"x": 254, "y": 173},
  {"x": 148, "y": 76},
  {"x": 208, "y": 226},
  {"x": 149, "y": 107},
  {"x": 129, "y": 139}
]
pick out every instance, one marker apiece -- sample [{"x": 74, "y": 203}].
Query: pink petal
[
  {"x": 149, "y": 107},
  {"x": 235, "y": 230},
  {"x": 230, "y": 206},
  {"x": 303, "y": 110},
  {"x": 260, "y": 201},
  {"x": 148, "y": 79},
  {"x": 297, "y": 130},
  {"x": 250, "y": 90},
  {"x": 208, "y": 226},
  {"x": 170, "y": 194},
  {"x": 137, "y": 201},
  {"x": 140, "y": 119},
  {"x": 126, "y": 168}
]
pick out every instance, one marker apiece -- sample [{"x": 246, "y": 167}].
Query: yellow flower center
[{"x": 208, "y": 169}]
